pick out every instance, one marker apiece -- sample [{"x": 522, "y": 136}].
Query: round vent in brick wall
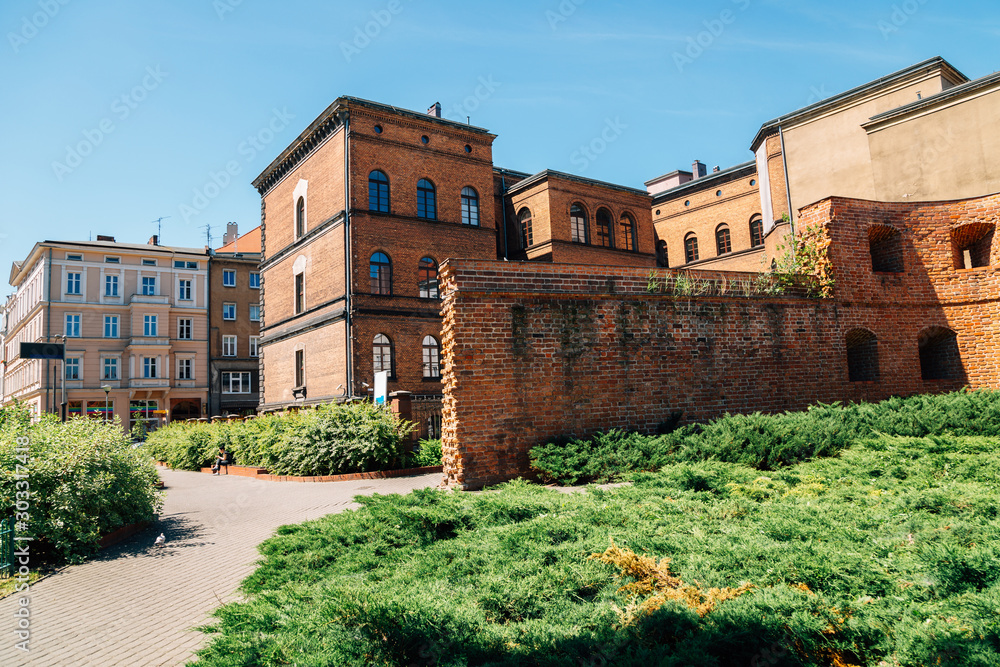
[
  {"x": 468, "y": 148},
  {"x": 424, "y": 139},
  {"x": 753, "y": 182},
  {"x": 378, "y": 129}
]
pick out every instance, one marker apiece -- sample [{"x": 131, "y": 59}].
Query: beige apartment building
[
  {"x": 925, "y": 133},
  {"x": 135, "y": 322}
]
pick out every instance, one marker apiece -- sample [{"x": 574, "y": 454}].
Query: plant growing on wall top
[{"x": 804, "y": 261}]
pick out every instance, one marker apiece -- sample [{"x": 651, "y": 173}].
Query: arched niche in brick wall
[
  {"x": 862, "y": 356},
  {"x": 940, "y": 357},
  {"x": 885, "y": 243},
  {"x": 972, "y": 244}
]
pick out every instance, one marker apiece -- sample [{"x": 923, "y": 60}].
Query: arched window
[
  {"x": 432, "y": 352},
  {"x": 940, "y": 358},
  {"x": 723, "y": 240},
  {"x": 662, "y": 260},
  {"x": 756, "y": 231},
  {"x": 381, "y": 274},
  {"x": 426, "y": 200},
  {"x": 862, "y": 356},
  {"x": 605, "y": 235},
  {"x": 470, "y": 207},
  {"x": 382, "y": 354},
  {"x": 628, "y": 233},
  {"x": 378, "y": 192},
  {"x": 524, "y": 227},
  {"x": 300, "y": 217},
  {"x": 690, "y": 248},
  {"x": 428, "y": 278},
  {"x": 578, "y": 224}
]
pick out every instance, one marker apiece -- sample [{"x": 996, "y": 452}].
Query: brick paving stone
[{"x": 137, "y": 605}]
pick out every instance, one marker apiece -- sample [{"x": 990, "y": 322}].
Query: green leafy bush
[
  {"x": 327, "y": 440},
  {"x": 85, "y": 480},
  {"x": 838, "y": 561},
  {"x": 768, "y": 442},
  {"x": 429, "y": 453}
]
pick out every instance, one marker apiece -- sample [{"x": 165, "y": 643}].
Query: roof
[
  {"x": 549, "y": 173},
  {"x": 927, "y": 66},
  {"x": 676, "y": 172},
  {"x": 716, "y": 178},
  {"x": 330, "y": 120},
  {"x": 248, "y": 243},
  {"x": 951, "y": 94}
]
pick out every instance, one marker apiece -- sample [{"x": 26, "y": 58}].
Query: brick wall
[{"x": 534, "y": 351}]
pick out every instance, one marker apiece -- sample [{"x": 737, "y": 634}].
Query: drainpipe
[
  {"x": 348, "y": 255},
  {"x": 48, "y": 333},
  {"x": 503, "y": 205}
]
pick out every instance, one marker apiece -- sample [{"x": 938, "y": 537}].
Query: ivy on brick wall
[{"x": 805, "y": 261}]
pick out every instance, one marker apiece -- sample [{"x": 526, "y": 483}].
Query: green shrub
[
  {"x": 845, "y": 568},
  {"x": 85, "y": 480},
  {"x": 429, "y": 452},
  {"x": 768, "y": 442},
  {"x": 327, "y": 440}
]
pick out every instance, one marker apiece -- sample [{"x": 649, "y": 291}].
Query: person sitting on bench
[{"x": 223, "y": 459}]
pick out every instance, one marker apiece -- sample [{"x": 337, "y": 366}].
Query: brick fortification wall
[{"x": 535, "y": 351}]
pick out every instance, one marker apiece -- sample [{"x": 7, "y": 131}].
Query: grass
[{"x": 886, "y": 553}]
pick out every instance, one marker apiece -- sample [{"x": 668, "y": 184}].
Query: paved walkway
[{"x": 138, "y": 605}]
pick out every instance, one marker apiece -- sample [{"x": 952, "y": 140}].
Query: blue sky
[{"x": 119, "y": 112}]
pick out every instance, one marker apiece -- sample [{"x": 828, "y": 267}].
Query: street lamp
[{"x": 107, "y": 390}]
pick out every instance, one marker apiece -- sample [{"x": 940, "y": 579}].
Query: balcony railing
[{"x": 144, "y": 341}]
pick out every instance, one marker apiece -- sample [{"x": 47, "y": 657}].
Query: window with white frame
[
  {"x": 254, "y": 346},
  {"x": 181, "y": 264},
  {"x": 149, "y": 325},
  {"x": 73, "y": 280},
  {"x": 229, "y": 278},
  {"x": 184, "y": 290},
  {"x": 432, "y": 350},
  {"x": 229, "y": 346},
  {"x": 185, "y": 327},
  {"x": 254, "y": 312},
  {"x": 72, "y": 368},
  {"x": 149, "y": 368},
  {"x": 74, "y": 258},
  {"x": 149, "y": 286},
  {"x": 112, "y": 260},
  {"x": 149, "y": 262},
  {"x": 229, "y": 311},
  {"x": 72, "y": 325},
  {"x": 110, "y": 369},
  {"x": 110, "y": 285},
  {"x": 111, "y": 326},
  {"x": 254, "y": 280},
  {"x": 235, "y": 382},
  {"x": 185, "y": 369}
]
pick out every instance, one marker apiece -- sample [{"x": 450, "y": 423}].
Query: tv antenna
[
  {"x": 159, "y": 225},
  {"x": 208, "y": 234}
]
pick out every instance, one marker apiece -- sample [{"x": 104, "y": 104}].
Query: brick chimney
[
  {"x": 435, "y": 110},
  {"x": 698, "y": 170},
  {"x": 153, "y": 240},
  {"x": 232, "y": 233}
]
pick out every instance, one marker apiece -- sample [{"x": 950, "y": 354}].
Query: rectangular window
[
  {"x": 228, "y": 278},
  {"x": 110, "y": 369},
  {"x": 300, "y": 368},
  {"x": 254, "y": 346},
  {"x": 235, "y": 383},
  {"x": 181, "y": 264},
  {"x": 254, "y": 312},
  {"x": 229, "y": 346},
  {"x": 111, "y": 326},
  {"x": 184, "y": 328},
  {"x": 110, "y": 285},
  {"x": 73, "y": 283},
  {"x": 149, "y": 286},
  {"x": 75, "y": 258},
  {"x": 149, "y": 262},
  {"x": 300, "y": 293},
  {"x": 185, "y": 369},
  {"x": 112, "y": 260},
  {"x": 72, "y": 326},
  {"x": 72, "y": 368},
  {"x": 229, "y": 311},
  {"x": 149, "y": 368},
  {"x": 254, "y": 280},
  {"x": 149, "y": 326},
  {"x": 184, "y": 290}
]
